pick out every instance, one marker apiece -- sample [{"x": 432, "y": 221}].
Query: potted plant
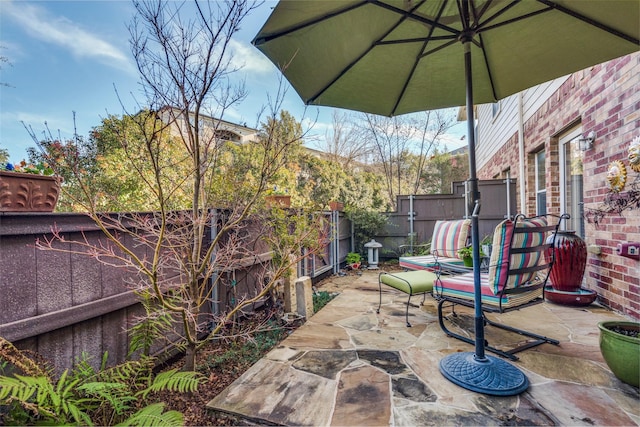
[
  {"x": 278, "y": 198},
  {"x": 26, "y": 187},
  {"x": 620, "y": 348},
  {"x": 353, "y": 260},
  {"x": 336, "y": 206},
  {"x": 466, "y": 255}
]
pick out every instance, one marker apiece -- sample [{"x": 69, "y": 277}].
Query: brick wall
[{"x": 604, "y": 99}]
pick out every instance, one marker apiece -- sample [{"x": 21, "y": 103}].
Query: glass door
[{"x": 571, "y": 179}]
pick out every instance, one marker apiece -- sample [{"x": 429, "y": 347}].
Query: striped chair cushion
[
  {"x": 449, "y": 236},
  {"x": 504, "y": 239},
  {"x": 424, "y": 262},
  {"x": 461, "y": 287}
]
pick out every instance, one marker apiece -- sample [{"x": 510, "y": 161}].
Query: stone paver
[
  {"x": 363, "y": 384},
  {"x": 348, "y": 366}
]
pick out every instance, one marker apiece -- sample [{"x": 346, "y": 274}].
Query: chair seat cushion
[
  {"x": 462, "y": 287},
  {"x": 424, "y": 262},
  {"x": 410, "y": 282}
]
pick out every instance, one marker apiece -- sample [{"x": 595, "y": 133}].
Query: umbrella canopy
[{"x": 392, "y": 57}]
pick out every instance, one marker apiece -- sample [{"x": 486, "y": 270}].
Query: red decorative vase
[{"x": 571, "y": 260}]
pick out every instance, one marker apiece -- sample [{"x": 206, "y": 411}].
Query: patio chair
[
  {"x": 517, "y": 275},
  {"x": 448, "y": 237}
]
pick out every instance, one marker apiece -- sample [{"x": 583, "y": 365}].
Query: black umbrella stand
[{"x": 477, "y": 371}]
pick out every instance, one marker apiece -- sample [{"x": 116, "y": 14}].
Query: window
[
  {"x": 495, "y": 108},
  {"x": 541, "y": 184},
  {"x": 571, "y": 196}
]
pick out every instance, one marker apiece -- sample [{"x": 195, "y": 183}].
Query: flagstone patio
[{"x": 348, "y": 366}]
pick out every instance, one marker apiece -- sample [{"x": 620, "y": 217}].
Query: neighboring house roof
[{"x": 230, "y": 131}]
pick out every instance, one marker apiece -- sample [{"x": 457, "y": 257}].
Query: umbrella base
[{"x": 489, "y": 375}]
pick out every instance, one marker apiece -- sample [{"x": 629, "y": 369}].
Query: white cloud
[
  {"x": 249, "y": 58},
  {"x": 61, "y": 31}
]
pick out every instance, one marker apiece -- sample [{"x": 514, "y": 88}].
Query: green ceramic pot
[{"x": 621, "y": 352}]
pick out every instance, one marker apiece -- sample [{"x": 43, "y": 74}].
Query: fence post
[
  {"x": 412, "y": 216},
  {"x": 335, "y": 242}
]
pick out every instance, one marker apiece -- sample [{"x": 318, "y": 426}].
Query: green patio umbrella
[{"x": 392, "y": 57}]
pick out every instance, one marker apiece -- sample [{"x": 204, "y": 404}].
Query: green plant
[
  {"x": 353, "y": 258},
  {"x": 24, "y": 167},
  {"x": 486, "y": 240},
  {"x": 85, "y": 396},
  {"x": 366, "y": 225},
  {"x": 247, "y": 350},
  {"x": 466, "y": 252},
  {"x": 320, "y": 299},
  {"x": 152, "y": 328}
]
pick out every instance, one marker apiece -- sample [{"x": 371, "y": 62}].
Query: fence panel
[
  {"x": 416, "y": 215},
  {"x": 63, "y": 304}
]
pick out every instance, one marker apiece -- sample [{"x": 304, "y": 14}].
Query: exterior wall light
[{"x": 586, "y": 142}]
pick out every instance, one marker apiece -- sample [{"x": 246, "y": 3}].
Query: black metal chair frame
[{"x": 542, "y": 267}]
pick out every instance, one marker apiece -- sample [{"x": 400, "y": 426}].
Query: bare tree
[
  {"x": 344, "y": 143},
  {"x": 185, "y": 69},
  {"x": 403, "y": 145},
  {"x": 435, "y": 126}
]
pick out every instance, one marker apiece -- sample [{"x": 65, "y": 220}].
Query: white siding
[
  {"x": 534, "y": 98},
  {"x": 493, "y": 133}
]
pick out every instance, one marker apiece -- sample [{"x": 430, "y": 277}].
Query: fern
[
  {"x": 152, "y": 328},
  {"x": 85, "y": 396},
  {"x": 173, "y": 381},
  {"x": 116, "y": 395},
  {"x": 135, "y": 373},
  {"x": 51, "y": 402},
  {"x": 153, "y": 415},
  {"x": 17, "y": 358}
]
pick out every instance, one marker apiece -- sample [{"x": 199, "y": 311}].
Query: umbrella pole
[
  {"x": 475, "y": 209},
  {"x": 476, "y": 371}
]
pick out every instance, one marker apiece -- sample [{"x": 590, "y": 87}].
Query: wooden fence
[
  {"x": 415, "y": 216},
  {"x": 62, "y": 305}
]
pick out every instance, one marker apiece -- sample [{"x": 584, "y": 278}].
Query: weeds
[
  {"x": 247, "y": 350},
  {"x": 320, "y": 299}
]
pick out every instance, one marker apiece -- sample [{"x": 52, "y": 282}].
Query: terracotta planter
[
  {"x": 571, "y": 260},
  {"x": 26, "y": 192},
  {"x": 620, "y": 351},
  {"x": 336, "y": 206},
  {"x": 278, "y": 201}
]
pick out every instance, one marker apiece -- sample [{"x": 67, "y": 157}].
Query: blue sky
[{"x": 68, "y": 56}]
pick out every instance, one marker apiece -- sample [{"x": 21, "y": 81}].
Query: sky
[{"x": 73, "y": 57}]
